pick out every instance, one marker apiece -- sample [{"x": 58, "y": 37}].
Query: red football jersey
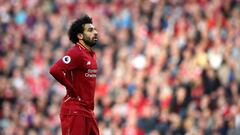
[{"x": 77, "y": 72}]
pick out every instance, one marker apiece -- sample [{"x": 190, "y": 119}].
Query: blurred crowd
[{"x": 166, "y": 67}]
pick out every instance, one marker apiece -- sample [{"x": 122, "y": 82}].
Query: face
[{"x": 90, "y": 35}]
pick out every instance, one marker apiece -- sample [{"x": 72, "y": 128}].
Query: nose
[{"x": 95, "y": 32}]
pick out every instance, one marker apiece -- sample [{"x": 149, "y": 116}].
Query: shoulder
[
  {"x": 73, "y": 54},
  {"x": 75, "y": 51}
]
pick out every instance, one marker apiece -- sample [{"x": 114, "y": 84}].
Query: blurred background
[{"x": 166, "y": 67}]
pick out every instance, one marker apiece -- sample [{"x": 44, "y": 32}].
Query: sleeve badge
[{"x": 66, "y": 59}]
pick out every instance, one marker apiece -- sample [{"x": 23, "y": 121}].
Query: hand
[{"x": 70, "y": 91}]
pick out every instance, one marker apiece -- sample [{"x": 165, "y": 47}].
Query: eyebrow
[{"x": 91, "y": 28}]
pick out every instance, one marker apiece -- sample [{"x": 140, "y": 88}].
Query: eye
[{"x": 90, "y": 29}]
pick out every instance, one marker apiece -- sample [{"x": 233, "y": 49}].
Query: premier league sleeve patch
[{"x": 66, "y": 59}]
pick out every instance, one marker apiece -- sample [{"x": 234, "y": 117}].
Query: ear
[{"x": 80, "y": 36}]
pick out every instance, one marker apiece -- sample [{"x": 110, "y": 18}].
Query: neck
[{"x": 84, "y": 45}]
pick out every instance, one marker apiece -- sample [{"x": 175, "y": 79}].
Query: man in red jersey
[{"x": 77, "y": 72}]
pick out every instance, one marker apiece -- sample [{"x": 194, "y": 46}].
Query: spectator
[{"x": 165, "y": 66}]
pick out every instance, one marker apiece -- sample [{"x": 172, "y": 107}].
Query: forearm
[{"x": 58, "y": 74}]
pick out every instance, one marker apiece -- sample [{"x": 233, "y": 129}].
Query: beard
[{"x": 89, "y": 41}]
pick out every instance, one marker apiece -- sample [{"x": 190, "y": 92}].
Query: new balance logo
[{"x": 89, "y": 63}]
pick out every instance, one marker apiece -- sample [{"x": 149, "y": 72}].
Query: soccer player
[{"x": 77, "y": 72}]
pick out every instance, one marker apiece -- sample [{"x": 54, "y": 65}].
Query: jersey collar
[{"x": 83, "y": 47}]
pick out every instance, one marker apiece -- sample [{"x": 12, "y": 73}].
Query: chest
[{"x": 89, "y": 62}]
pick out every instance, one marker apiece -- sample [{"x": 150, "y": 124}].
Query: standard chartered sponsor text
[{"x": 91, "y": 73}]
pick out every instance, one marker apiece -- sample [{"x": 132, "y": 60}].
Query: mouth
[{"x": 95, "y": 38}]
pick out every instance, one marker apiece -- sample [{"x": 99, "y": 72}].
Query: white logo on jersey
[
  {"x": 66, "y": 59},
  {"x": 89, "y": 63},
  {"x": 91, "y": 73}
]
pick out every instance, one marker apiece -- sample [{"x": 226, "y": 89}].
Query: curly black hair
[{"x": 78, "y": 27}]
